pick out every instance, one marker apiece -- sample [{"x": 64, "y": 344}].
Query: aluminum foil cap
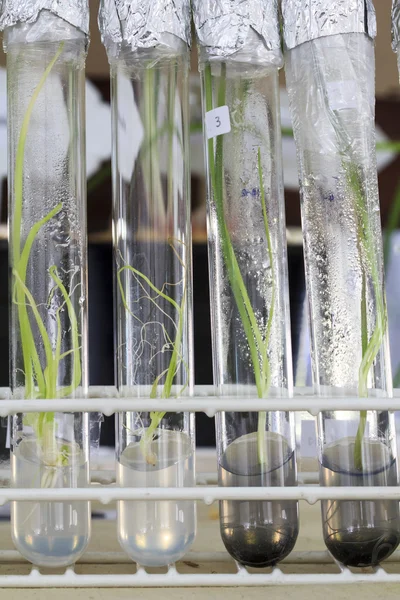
[
  {"x": 305, "y": 20},
  {"x": 144, "y": 24},
  {"x": 396, "y": 25},
  {"x": 238, "y": 29},
  {"x": 74, "y": 12}
]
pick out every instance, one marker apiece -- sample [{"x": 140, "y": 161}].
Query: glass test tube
[
  {"x": 48, "y": 267},
  {"x": 249, "y": 301},
  {"x": 396, "y": 30},
  {"x": 331, "y": 90},
  {"x": 153, "y": 291}
]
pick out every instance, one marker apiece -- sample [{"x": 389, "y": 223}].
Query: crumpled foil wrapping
[
  {"x": 74, "y": 12},
  {"x": 305, "y": 20},
  {"x": 396, "y": 25},
  {"x": 143, "y": 24},
  {"x": 238, "y": 29}
]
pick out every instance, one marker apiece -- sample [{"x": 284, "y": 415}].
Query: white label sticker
[
  {"x": 308, "y": 447},
  {"x": 342, "y": 94},
  {"x": 218, "y": 121}
]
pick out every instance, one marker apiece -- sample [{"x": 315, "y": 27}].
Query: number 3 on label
[{"x": 217, "y": 121}]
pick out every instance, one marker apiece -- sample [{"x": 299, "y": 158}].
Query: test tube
[
  {"x": 330, "y": 78},
  {"x": 152, "y": 263},
  {"x": 239, "y": 61},
  {"x": 46, "y": 53}
]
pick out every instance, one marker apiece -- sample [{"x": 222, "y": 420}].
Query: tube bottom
[
  {"x": 359, "y": 533},
  {"x": 363, "y": 547},
  {"x": 258, "y": 533},
  {"x": 49, "y": 534},
  {"x": 48, "y": 548},
  {"x": 157, "y": 533},
  {"x": 260, "y": 544},
  {"x": 159, "y": 544}
]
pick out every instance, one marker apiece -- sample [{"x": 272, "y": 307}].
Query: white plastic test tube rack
[{"x": 105, "y": 400}]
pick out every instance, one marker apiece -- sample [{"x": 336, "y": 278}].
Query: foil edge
[
  {"x": 144, "y": 23},
  {"x": 306, "y": 20},
  {"x": 225, "y": 28},
  {"x": 74, "y": 12}
]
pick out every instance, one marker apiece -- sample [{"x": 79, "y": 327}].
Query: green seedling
[
  {"x": 153, "y": 134},
  {"x": 165, "y": 379},
  {"x": 159, "y": 214},
  {"x": 40, "y": 381},
  {"x": 367, "y": 255},
  {"x": 256, "y": 336},
  {"x": 371, "y": 345}
]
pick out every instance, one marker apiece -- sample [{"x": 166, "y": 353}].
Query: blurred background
[{"x": 99, "y": 222}]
